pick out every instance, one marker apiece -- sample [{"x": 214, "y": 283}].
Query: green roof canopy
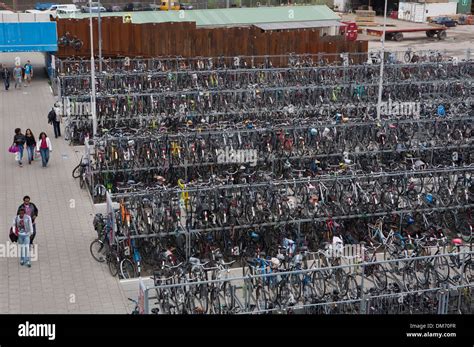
[{"x": 226, "y": 17}]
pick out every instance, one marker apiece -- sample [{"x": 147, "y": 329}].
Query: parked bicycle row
[
  {"x": 279, "y": 283},
  {"x": 76, "y": 65},
  {"x": 396, "y": 99},
  {"x": 131, "y": 179},
  {"x": 266, "y": 144},
  {"x": 78, "y": 127},
  {"x": 154, "y": 82}
]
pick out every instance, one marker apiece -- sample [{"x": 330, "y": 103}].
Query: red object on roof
[{"x": 349, "y": 30}]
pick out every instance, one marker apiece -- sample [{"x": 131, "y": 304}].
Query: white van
[{"x": 62, "y": 9}]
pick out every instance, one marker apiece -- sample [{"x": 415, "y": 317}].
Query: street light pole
[
  {"x": 100, "y": 38},
  {"x": 93, "y": 99},
  {"x": 379, "y": 101}
]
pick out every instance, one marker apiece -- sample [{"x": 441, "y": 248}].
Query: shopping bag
[
  {"x": 37, "y": 155},
  {"x": 13, "y": 149},
  {"x": 12, "y": 235},
  {"x": 17, "y": 156}
]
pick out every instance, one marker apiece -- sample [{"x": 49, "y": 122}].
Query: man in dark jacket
[
  {"x": 5, "y": 73},
  {"x": 32, "y": 211}
]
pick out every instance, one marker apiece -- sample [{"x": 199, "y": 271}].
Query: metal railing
[{"x": 245, "y": 286}]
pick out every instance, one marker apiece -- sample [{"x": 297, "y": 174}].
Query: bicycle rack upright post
[{"x": 363, "y": 299}]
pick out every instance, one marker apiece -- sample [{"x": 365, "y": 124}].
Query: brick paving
[{"x": 65, "y": 278}]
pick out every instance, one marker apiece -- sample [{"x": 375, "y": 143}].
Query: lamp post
[
  {"x": 100, "y": 38},
  {"x": 93, "y": 99},
  {"x": 379, "y": 101}
]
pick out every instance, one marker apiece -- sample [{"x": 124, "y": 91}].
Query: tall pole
[
  {"x": 100, "y": 39},
  {"x": 94, "y": 111},
  {"x": 379, "y": 101}
]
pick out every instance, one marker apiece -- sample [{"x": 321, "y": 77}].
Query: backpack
[{"x": 51, "y": 116}]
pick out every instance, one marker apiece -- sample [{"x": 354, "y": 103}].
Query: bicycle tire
[
  {"x": 379, "y": 277},
  {"x": 82, "y": 182},
  {"x": 319, "y": 284},
  {"x": 351, "y": 288},
  {"x": 468, "y": 272},
  {"x": 409, "y": 279},
  {"x": 441, "y": 266},
  {"x": 261, "y": 298},
  {"x": 127, "y": 269},
  {"x": 113, "y": 264},
  {"x": 94, "y": 252},
  {"x": 77, "y": 172},
  {"x": 215, "y": 304},
  {"x": 229, "y": 297}
]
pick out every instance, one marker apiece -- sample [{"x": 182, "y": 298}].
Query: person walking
[
  {"x": 44, "y": 147},
  {"x": 5, "y": 77},
  {"x": 28, "y": 68},
  {"x": 19, "y": 140},
  {"x": 30, "y": 145},
  {"x": 17, "y": 75},
  {"x": 23, "y": 227},
  {"x": 54, "y": 118},
  {"x": 30, "y": 210}
]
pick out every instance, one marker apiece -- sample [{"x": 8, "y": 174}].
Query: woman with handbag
[
  {"x": 44, "y": 147},
  {"x": 23, "y": 227},
  {"x": 19, "y": 140},
  {"x": 30, "y": 145}
]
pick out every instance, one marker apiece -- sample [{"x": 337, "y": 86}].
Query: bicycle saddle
[{"x": 457, "y": 242}]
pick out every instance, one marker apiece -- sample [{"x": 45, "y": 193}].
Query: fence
[
  {"x": 245, "y": 297},
  {"x": 184, "y": 39}
]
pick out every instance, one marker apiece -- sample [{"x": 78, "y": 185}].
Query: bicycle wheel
[
  {"x": 468, "y": 273},
  {"x": 113, "y": 264},
  {"x": 97, "y": 249},
  {"x": 409, "y": 279},
  {"x": 466, "y": 230},
  {"x": 407, "y": 57},
  {"x": 82, "y": 181},
  {"x": 127, "y": 269},
  {"x": 261, "y": 298},
  {"x": 352, "y": 288},
  {"x": 341, "y": 282},
  {"x": 77, "y": 171},
  {"x": 296, "y": 282},
  {"x": 179, "y": 300},
  {"x": 319, "y": 284},
  {"x": 229, "y": 298},
  {"x": 379, "y": 277},
  {"x": 216, "y": 307},
  {"x": 441, "y": 266}
]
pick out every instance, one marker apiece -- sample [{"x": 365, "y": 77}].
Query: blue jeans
[
  {"x": 24, "y": 245},
  {"x": 31, "y": 153},
  {"x": 44, "y": 156},
  {"x": 21, "y": 149}
]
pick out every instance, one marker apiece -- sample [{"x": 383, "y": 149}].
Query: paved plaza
[{"x": 65, "y": 278}]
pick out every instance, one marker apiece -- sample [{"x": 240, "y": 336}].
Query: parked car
[
  {"x": 446, "y": 21},
  {"x": 95, "y": 7},
  {"x": 53, "y": 10},
  {"x": 184, "y": 6},
  {"x": 137, "y": 6},
  {"x": 114, "y": 8},
  {"x": 42, "y": 6}
]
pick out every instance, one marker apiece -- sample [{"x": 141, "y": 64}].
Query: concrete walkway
[{"x": 65, "y": 278}]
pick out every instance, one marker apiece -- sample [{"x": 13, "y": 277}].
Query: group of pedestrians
[
  {"x": 43, "y": 146},
  {"x": 19, "y": 74},
  {"x": 23, "y": 229}
]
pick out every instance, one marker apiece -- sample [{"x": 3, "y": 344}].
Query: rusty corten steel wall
[{"x": 184, "y": 39}]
